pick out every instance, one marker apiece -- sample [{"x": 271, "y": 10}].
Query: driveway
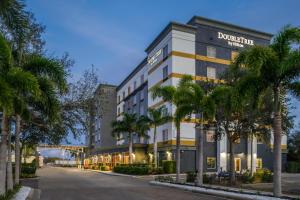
[{"x": 72, "y": 184}]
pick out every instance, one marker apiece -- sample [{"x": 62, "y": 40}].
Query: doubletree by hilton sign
[{"x": 235, "y": 40}]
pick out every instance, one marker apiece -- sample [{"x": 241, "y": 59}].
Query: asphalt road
[{"x": 74, "y": 184}]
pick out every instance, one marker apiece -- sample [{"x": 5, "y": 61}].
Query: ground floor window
[
  {"x": 211, "y": 162},
  {"x": 258, "y": 163},
  {"x": 237, "y": 164}
]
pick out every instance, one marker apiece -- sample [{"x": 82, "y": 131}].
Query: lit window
[
  {"x": 211, "y": 72},
  {"x": 258, "y": 163},
  {"x": 211, "y": 162},
  {"x": 234, "y": 54},
  {"x": 165, "y": 135},
  {"x": 211, "y": 52},
  {"x": 165, "y": 73},
  {"x": 165, "y": 52},
  {"x": 210, "y": 136}
]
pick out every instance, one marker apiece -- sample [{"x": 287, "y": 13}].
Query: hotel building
[{"x": 202, "y": 48}]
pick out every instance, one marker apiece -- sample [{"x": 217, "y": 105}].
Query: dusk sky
[{"x": 112, "y": 35}]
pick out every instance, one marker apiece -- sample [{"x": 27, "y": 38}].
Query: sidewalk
[
  {"x": 223, "y": 192},
  {"x": 237, "y": 193}
]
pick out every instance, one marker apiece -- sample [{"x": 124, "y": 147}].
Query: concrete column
[
  {"x": 222, "y": 154},
  {"x": 251, "y": 149}
]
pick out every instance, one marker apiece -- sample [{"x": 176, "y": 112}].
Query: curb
[
  {"x": 216, "y": 192},
  {"x": 25, "y": 193}
]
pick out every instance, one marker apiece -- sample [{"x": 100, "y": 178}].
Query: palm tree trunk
[
  {"x": 178, "y": 152},
  {"x": 200, "y": 154},
  {"x": 277, "y": 128},
  {"x": 130, "y": 148},
  {"x": 155, "y": 148},
  {"x": 17, "y": 149},
  {"x": 3, "y": 153},
  {"x": 10, "y": 184},
  {"x": 232, "y": 170}
]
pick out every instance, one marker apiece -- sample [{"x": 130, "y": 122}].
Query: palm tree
[
  {"x": 194, "y": 100},
  {"x": 131, "y": 125},
  {"x": 51, "y": 78},
  {"x": 172, "y": 95},
  {"x": 275, "y": 67},
  {"x": 157, "y": 117},
  {"x": 15, "y": 80}
]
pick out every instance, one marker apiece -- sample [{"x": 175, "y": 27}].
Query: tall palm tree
[
  {"x": 51, "y": 78},
  {"x": 194, "y": 100},
  {"x": 172, "y": 95},
  {"x": 127, "y": 127},
  {"x": 157, "y": 117},
  {"x": 16, "y": 81},
  {"x": 275, "y": 67}
]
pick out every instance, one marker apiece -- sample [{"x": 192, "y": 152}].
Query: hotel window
[
  {"x": 119, "y": 98},
  {"x": 165, "y": 73},
  {"x": 141, "y": 109},
  {"x": 234, "y": 54},
  {"x": 211, "y": 162},
  {"x": 258, "y": 163},
  {"x": 165, "y": 52},
  {"x": 123, "y": 108},
  {"x": 129, "y": 90},
  {"x": 123, "y": 94},
  {"x": 211, "y": 52},
  {"x": 134, "y": 99},
  {"x": 210, "y": 136},
  {"x": 134, "y": 85},
  {"x": 165, "y": 135},
  {"x": 142, "y": 95},
  {"x": 211, "y": 72},
  {"x": 118, "y": 110},
  {"x": 142, "y": 79}
]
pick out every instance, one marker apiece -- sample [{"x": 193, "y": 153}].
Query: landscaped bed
[{"x": 213, "y": 181}]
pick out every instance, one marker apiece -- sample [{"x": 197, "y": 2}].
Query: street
[{"x": 73, "y": 184}]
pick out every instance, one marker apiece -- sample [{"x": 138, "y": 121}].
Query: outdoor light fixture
[{"x": 223, "y": 154}]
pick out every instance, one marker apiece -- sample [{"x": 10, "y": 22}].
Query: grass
[{"x": 10, "y": 193}]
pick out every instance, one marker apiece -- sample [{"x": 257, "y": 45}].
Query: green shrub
[
  {"x": 293, "y": 167},
  {"x": 10, "y": 193},
  {"x": 247, "y": 177},
  {"x": 191, "y": 177},
  {"x": 168, "y": 179},
  {"x": 104, "y": 168},
  {"x": 28, "y": 169},
  {"x": 209, "y": 178},
  {"x": 263, "y": 175},
  {"x": 169, "y": 166},
  {"x": 132, "y": 169}
]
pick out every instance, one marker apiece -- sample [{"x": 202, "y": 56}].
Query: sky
[{"x": 113, "y": 34}]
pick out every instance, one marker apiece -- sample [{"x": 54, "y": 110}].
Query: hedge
[
  {"x": 169, "y": 166},
  {"x": 132, "y": 169},
  {"x": 293, "y": 167}
]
